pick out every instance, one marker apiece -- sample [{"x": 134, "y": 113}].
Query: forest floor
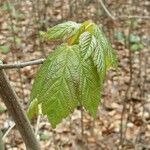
[{"x": 125, "y": 97}]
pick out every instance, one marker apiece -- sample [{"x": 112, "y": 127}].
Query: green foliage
[
  {"x": 4, "y": 49},
  {"x": 2, "y": 109},
  {"x": 33, "y": 108},
  {"x": 135, "y": 43},
  {"x": 134, "y": 38},
  {"x": 44, "y": 136},
  {"x": 88, "y": 44},
  {"x": 136, "y": 47},
  {"x": 84, "y": 27},
  {"x": 8, "y": 6},
  {"x": 90, "y": 86},
  {"x": 134, "y": 23},
  {"x": 57, "y": 89},
  {"x": 73, "y": 74},
  {"x": 60, "y": 31},
  {"x": 17, "y": 40},
  {"x": 120, "y": 37}
]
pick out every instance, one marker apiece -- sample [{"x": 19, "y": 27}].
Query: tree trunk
[{"x": 11, "y": 101}]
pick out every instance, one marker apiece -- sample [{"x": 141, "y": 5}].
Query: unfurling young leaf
[
  {"x": 73, "y": 74},
  {"x": 109, "y": 53},
  {"x": 60, "y": 31},
  {"x": 88, "y": 44},
  {"x": 86, "y": 26},
  {"x": 4, "y": 49},
  {"x": 33, "y": 108}
]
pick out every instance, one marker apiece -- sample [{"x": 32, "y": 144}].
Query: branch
[
  {"x": 106, "y": 10},
  {"x": 14, "y": 108},
  {"x": 133, "y": 17},
  {"x": 7, "y": 132},
  {"x": 21, "y": 65}
]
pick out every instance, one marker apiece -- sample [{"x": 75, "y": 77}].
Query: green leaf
[
  {"x": 100, "y": 61},
  {"x": 88, "y": 44},
  {"x": 133, "y": 23},
  {"x": 88, "y": 26},
  {"x": 55, "y": 84},
  {"x": 134, "y": 38},
  {"x": 90, "y": 86},
  {"x": 136, "y": 47},
  {"x": 4, "y": 49},
  {"x": 85, "y": 26},
  {"x": 120, "y": 37},
  {"x": 104, "y": 44},
  {"x": 63, "y": 81},
  {"x": 33, "y": 108},
  {"x": 60, "y": 31},
  {"x": 17, "y": 15}
]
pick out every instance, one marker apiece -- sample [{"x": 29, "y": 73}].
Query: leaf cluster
[{"x": 73, "y": 74}]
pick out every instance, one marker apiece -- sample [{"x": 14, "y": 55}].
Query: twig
[
  {"x": 7, "y": 132},
  {"x": 145, "y": 146},
  {"x": 37, "y": 126},
  {"x": 127, "y": 90},
  {"x": 82, "y": 123},
  {"x": 106, "y": 10},
  {"x": 22, "y": 64},
  {"x": 120, "y": 17},
  {"x": 145, "y": 122},
  {"x": 133, "y": 17},
  {"x": 38, "y": 121}
]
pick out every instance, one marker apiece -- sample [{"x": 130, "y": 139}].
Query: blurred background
[{"x": 123, "y": 117}]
